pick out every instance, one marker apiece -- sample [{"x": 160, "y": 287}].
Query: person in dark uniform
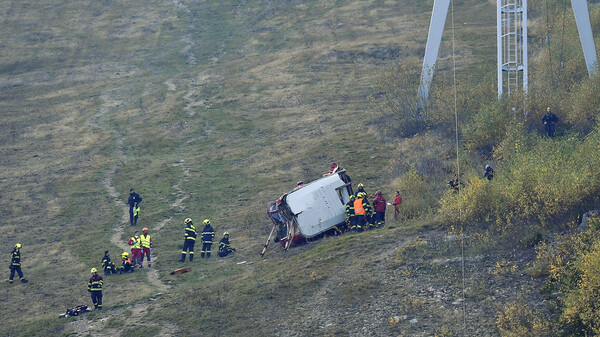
[
  {"x": 108, "y": 266},
  {"x": 489, "y": 172},
  {"x": 208, "y": 235},
  {"x": 224, "y": 246},
  {"x": 15, "y": 264},
  {"x": 350, "y": 216},
  {"x": 126, "y": 264},
  {"x": 549, "y": 121},
  {"x": 189, "y": 240},
  {"x": 95, "y": 288},
  {"x": 134, "y": 206}
]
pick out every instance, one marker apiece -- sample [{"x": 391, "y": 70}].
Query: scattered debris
[{"x": 180, "y": 271}]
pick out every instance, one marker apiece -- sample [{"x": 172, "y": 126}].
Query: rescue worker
[
  {"x": 108, "y": 266},
  {"x": 134, "y": 206},
  {"x": 136, "y": 249},
  {"x": 369, "y": 218},
  {"x": 146, "y": 243},
  {"x": 95, "y": 288},
  {"x": 455, "y": 184},
  {"x": 225, "y": 246},
  {"x": 126, "y": 265},
  {"x": 549, "y": 121},
  {"x": 369, "y": 210},
  {"x": 15, "y": 264},
  {"x": 489, "y": 172},
  {"x": 208, "y": 235},
  {"x": 189, "y": 240},
  {"x": 379, "y": 205},
  {"x": 359, "y": 212},
  {"x": 350, "y": 218},
  {"x": 361, "y": 189},
  {"x": 397, "y": 202}
]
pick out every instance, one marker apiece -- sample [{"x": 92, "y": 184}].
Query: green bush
[
  {"x": 488, "y": 127},
  {"x": 418, "y": 197},
  {"x": 518, "y": 319}
]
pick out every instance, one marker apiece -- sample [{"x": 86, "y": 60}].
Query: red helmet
[
  {"x": 145, "y": 229},
  {"x": 378, "y": 193}
]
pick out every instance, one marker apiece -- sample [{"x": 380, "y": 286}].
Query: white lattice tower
[{"x": 512, "y": 46}]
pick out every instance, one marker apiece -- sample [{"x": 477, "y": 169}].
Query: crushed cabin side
[{"x": 310, "y": 210}]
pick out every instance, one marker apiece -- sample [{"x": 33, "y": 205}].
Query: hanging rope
[
  {"x": 462, "y": 240},
  {"x": 562, "y": 39},
  {"x": 549, "y": 37}
]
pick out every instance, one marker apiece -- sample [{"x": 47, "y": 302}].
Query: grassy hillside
[{"x": 210, "y": 109}]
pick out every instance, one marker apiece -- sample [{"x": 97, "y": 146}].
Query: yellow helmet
[
  {"x": 352, "y": 197},
  {"x": 18, "y": 246},
  {"x": 206, "y": 222},
  {"x": 226, "y": 233},
  {"x": 187, "y": 221},
  {"x": 361, "y": 185},
  {"x": 125, "y": 255},
  {"x": 94, "y": 270}
]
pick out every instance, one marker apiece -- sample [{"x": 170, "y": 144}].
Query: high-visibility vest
[
  {"x": 136, "y": 211},
  {"x": 136, "y": 242},
  {"x": 145, "y": 240},
  {"x": 358, "y": 207}
]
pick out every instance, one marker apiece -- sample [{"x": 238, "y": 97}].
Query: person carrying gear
[
  {"x": 146, "y": 243},
  {"x": 108, "y": 266},
  {"x": 225, "y": 246},
  {"x": 549, "y": 120},
  {"x": 359, "y": 212},
  {"x": 126, "y": 265},
  {"x": 350, "y": 216},
  {"x": 134, "y": 206},
  {"x": 95, "y": 288},
  {"x": 136, "y": 249},
  {"x": 15, "y": 264},
  {"x": 208, "y": 235},
  {"x": 379, "y": 205},
  {"x": 189, "y": 240},
  {"x": 397, "y": 202}
]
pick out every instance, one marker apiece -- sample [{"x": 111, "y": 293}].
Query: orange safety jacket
[{"x": 358, "y": 207}]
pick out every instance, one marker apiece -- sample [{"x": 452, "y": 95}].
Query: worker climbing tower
[{"x": 512, "y": 46}]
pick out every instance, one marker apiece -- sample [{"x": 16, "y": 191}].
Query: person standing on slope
[
  {"x": 189, "y": 240},
  {"x": 397, "y": 202},
  {"x": 134, "y": 206},
  {"x": 136, "y": 248},
  {"x": 379, "y": 205},
  {"x": 15, "y": 264},
  {"x": 350, "y": 218},
  {"x": 549, "y": 121},
  {"x": 146, "y": 243},
  {"x": 208, "y": 235},
  {"x": 95, "y": 288}
]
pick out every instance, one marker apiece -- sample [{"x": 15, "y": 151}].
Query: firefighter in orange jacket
[
  {"x": 126, "y": 265},
  {"x": 146, "y": 243},
  {"x": 360, "y": 211}
]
